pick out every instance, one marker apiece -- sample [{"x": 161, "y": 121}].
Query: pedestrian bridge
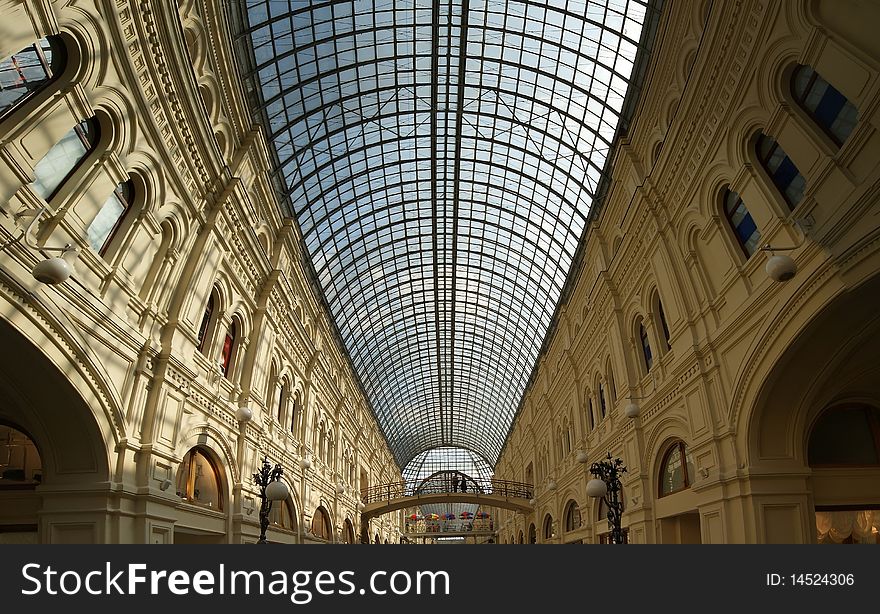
[{"x": 446, "y": 487}]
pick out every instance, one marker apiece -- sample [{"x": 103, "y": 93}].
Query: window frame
[
  {"x": 687, "y": 480},
  {"x": 764, "y": 159},
  {"x": 53, "y": 68},
  {"x": 645, "y": 346},
  {"x": 800, "y": 99},
  {"x": 733, "y": 227}
]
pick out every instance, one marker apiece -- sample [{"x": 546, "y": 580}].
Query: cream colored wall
[
  {"x": 123, "y": 331},
  {"x": 752, "y": 361}
]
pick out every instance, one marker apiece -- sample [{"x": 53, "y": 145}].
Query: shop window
[
  {"x": 281, "y": 516},
  {"x": 20, "y": 463},
  {"x": 572, "y": 516},
  {"x": 548, "y": 527},
  {"x": 676, "y": 470},
  {"x": 830, "y": 109},
  {"x": 321, "y": 524},
  {"x": 198, "y": 481}
]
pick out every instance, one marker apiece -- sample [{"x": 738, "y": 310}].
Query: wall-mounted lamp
[
  {"x": 340, "y": 488},
  {"x": 50, "y": 271},
  {"x": 582, "y": 457},
  {"x": 305, "y": 463},
  {"x": 244, "y": 413},
  {"x": 782, "y": 268}
]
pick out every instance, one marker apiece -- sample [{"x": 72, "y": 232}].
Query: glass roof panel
[{"x": 441, "y": 158}]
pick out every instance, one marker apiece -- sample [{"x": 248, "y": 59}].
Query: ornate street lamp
[
  {"x": 271, "y": 489},
  {"x": 606, "y": 486}
]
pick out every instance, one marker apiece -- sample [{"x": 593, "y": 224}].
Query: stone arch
[
  {"x": 778, "y": 369},
  {"x": 48, "y": 397},
  {"x": 93, "y": 48}
]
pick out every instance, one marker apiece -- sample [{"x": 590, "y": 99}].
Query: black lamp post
[
  {"x": 606, "y": 485},
  {"x": 271, "y": 489}
]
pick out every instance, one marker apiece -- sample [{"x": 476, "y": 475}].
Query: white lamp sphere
[
  {"x": 780, "y": 268},
  {"x": 631, "y": 410},
  {"x": 277, "y": 491},
  {"x": 52, "y": 271},
  {"x": 582, "y": 457},
  {"x": 361, "y": 506},
  {"x": 340, "y": 488},
  {"x": 596, "y": 488},
  {"x": 305, "y": 463},
  {"x": 551, "y": 485},
  {"x": 244, "y": 413},
  {"x": 532, "y": 502}
]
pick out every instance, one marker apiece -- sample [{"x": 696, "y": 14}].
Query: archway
[
  {"x": 41, "y": 404},
  {"x": 833, "y": 361},
  {"x": 348, "y": 532}
]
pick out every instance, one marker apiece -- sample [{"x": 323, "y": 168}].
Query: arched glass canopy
[{"x": 441, "y": 158}]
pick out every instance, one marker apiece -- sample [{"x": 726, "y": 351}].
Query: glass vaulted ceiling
[{"x": 441, "y": 158}]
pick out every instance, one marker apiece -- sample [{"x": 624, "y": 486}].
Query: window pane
[
  {"x": 782, "y": 170},
  {"x": 62, "y": 158},
  {"x": 743, "y": 225},
  {"x": 673, "y": 473},
  {"x": 102, "y": 227},
  {"x": 27, "y": 71},
  {"x": 831, "y": 109}
]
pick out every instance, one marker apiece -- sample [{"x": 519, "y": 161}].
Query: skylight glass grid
[{"x": 441, "y": 159}]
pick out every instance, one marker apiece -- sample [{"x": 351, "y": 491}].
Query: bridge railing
[{"x": 446, "y": 485}]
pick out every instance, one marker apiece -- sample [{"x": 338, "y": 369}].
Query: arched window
[
  {"x": 229, "y": 347},
  {"x": 741, "y": 223},
  {"x": 208, "y": 320},
  {"x": 661, "y": 320},
  {"x": 282, "y": 399},
  {"x": 281, "y": 516},
  {"x": 782, "y": 169},
  {"x": 108, "y": 220},
  {"x": 846, "y": 436},
  {"x": 533, "y": 534},
  {"x": 520, "y": 538},
  {"x": 29, "y": 71},
  {"x": 572, "y": 516},
  {"x": 20, "y": 463},
  {"x": 590, "y": 414},
  {"x": 321, "y": 524},
  {"x": 198, "y": 480},
  {"x": 297, "y": 407},
  {"x": 676, "y": 470},
  {"x": 322, "y": 442},
  {"x": 646, "y": 347},
  {"x": 830, "y": 109},
  {"x": 347, "y": 532},
  {"x": 376, "y": 539},
  {"x": 567, "y": 437},
  {"x": 64, "y": 156},
  {"x": 602, "y": 406},
  {"x": 548, "y": 527},
  {"x": 612, "y": 397}
]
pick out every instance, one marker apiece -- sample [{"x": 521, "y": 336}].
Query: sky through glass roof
[{"x": 441, "y": 158}]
